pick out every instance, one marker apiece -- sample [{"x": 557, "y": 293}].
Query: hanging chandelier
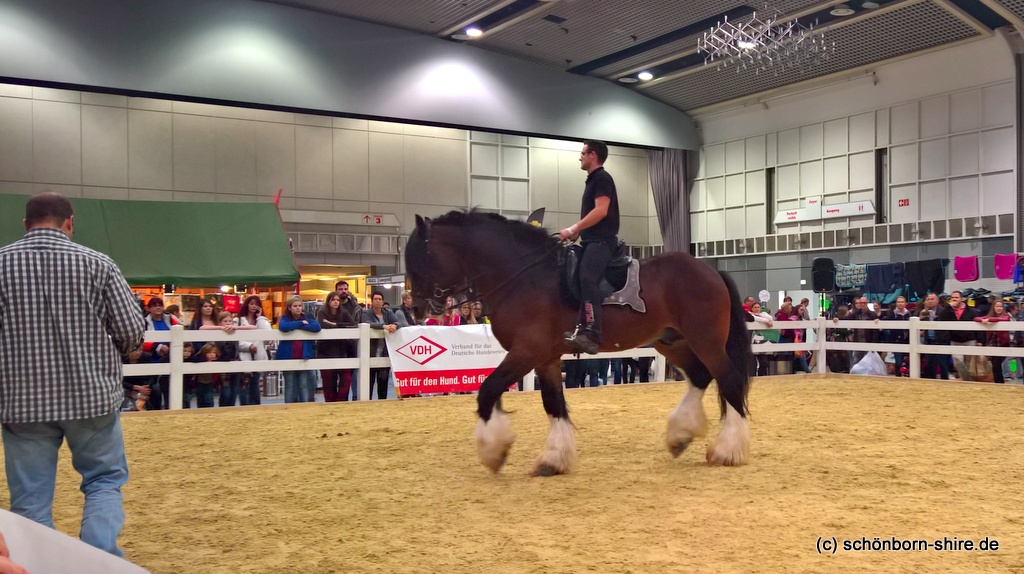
[{"x": 764, "y": 44}]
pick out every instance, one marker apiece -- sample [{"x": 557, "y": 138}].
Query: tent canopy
[{"x": 188, "y": 244}]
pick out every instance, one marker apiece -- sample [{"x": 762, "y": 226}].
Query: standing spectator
[
  {"x": 252, "y": 350},
  {"x": 67, "y": 317},
  {"x": 230, "y": 383},
  {"x": 349, "y": 303},
  {"x": 336, "y": 382},
  {"x": 451, "y": 314},
  {"x": 296, "y": 383},
  {"x": 786, "y": 313},
  {"x": 839, "y": 361},
  {"x": 174, "y": 311},
  {"x": 136, "y": 388},
  {"x": 959, "y": 311},
  {"x": 158, "y": 320},
  {"x": 206, "y": 383},
  {"x": 405, "y": 314},
  {"x": 478, "y": 314},
  {"x": 382, "y": 318},
  {"x": 465, "y": 313},
  {"x": 899, "y": 336},
  {"x": 934, "y": 337},
  {"x": 862, "y": 313},
  {"x": 757, "y": 337},
  {"x": 996, "y": 313},
  {"x": 748, "y": 303}
]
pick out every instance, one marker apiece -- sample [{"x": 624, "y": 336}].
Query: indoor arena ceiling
[{"x": 617, "y": 39}]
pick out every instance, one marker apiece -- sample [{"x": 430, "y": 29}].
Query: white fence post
[
  {"x": 529, "y": 380},
  {"x": 659, "y": 367},
  {"x": 821, "y": 366},
  {"x": 177, "y": 356},
  {"x": 364, "y": 362},
  {"x": 915, "y": 342}
]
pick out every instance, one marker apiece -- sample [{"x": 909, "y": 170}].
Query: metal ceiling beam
[{"x": 1005, "y": 12}]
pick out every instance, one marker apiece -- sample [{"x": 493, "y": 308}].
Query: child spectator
[
  {"x": 229, "y": 382},
  {"x": 296, "y": 383},
  {"x": 206, "y": 383},
  {"x": 137, "y": 389},
  {"x": 188, "y": 382},
  {"x": 996, "y": 313}
]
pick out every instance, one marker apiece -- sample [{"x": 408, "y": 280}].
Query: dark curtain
[{"x": 668, "y": 171}]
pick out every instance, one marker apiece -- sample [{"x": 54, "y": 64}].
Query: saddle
[{"x": 619, "y": 286}]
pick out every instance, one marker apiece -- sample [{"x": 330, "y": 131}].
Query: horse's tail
[{"x": 737, "y": 346}]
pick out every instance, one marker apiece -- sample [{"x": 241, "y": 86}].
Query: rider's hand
[{"x": 570, "y": 233}]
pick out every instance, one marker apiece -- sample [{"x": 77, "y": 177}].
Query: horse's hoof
[
  {"x": 545, "y": 470},
  {"x": 678, "y": 448},
  {"x": 725, "y": 459},
  {"x": 497, "y": 462}
]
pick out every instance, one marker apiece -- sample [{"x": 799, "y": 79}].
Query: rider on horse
[{"x": 598, "y": 227}]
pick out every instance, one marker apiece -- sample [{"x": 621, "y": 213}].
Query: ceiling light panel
[
  {"x": 601, "y": 27},
  {"x": 1016, "y": 7},
  {"x": 426, "y": 16},
  {"x": 901, "y": 31}
]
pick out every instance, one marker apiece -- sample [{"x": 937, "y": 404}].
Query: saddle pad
[
  {"x": 630, "y": 292},
  {"x": 1004, "y": 264},
  {"x": 965, "y": 268}
]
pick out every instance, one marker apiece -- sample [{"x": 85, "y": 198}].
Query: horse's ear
[{"x": 423, "y": 226}]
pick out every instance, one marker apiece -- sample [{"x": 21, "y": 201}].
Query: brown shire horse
[{"x": 694, "y": 317}]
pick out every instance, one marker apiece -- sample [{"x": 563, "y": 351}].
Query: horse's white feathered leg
[
  {"x": 494, "y": 438},
  {"x": 687, "y": 421},
  {"x": 732, "y": 447},
  {"x": 559, "y": 454}
]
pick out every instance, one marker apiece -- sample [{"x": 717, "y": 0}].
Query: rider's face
[{"x": 587, "y": 159}]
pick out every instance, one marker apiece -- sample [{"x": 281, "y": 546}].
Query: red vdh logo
[{"x": 421, "y": 350}]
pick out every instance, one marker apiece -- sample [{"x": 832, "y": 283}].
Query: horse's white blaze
[
  {"x": 688, "y": 419},
  {"x": 560, "y": 451},
  {"x": 732, "y": 447},
  {"x": 493, "y": 439}
]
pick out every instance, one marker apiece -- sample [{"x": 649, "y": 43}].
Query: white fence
[
  {"x": 914, "y": 348},
  {"x": 177, "y": 368}
]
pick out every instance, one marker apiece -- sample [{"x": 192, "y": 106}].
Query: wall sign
[{"x": 814, "y": 210}]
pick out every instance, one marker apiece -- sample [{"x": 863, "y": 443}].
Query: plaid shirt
[{"x": 66, "y": 315}]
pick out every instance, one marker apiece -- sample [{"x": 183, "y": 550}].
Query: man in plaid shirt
[{"x": 66, "y": 317}]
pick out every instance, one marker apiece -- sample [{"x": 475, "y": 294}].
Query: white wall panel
[
  {"x": 56, "y": 142},
  {"x": 810, "y": 179},
  {"x": 484, "y": 192},
  {"x": 997, "y": 104},
  {"x": 771, "y": 143},
  {"x": 195, "y": 154},
  {"x": 789, "y": 146},
  {"x": 516, "y": 195},
  {"x": 998, "y": 150},
  {"x": 544, "y": 179},
  {"x": 16, "y": 143},
  {"x": 625, "y": 174},
  {"x": 352, "y": 165},
  {"x": 755, "y": 152},
  {"x": 904, "y": 123},
  {"x": 963, "y": 154},
  {"x": 735, "y": 156},
  {"x": 997, "y": 193},
  {"x": 698, "y": 227},
  {"x": 862, "y": 170},
  {"x": 965, "y": 111},
  {"x": 483, "y": 159},
  {"x": 236, "y": 157},
  {"x": 903, "y": 202},
  {"x": 903, "y": 162},
  {"x": 702, "y": 160},
  {"x": 933, "y": 158},
  {"x": 715, "y": 160},
  {"x": 837, "y": 137},
  {"x": 933, "y": 201},
  {"x": 571, "y": 180},
  {"x": 314, "y": 158},
  {"x": 756, "y": 220},
  {"x": 716, "y": 225},
  {"x": 715, "y": 188},
  {"x": 386, "y": 152},
  {"x": 735, "y": 223},
  {"x": 837, "y": 174},
  {"x": 735, "y": 193},
  {"x": 755, "y": 187},
  {"x": 935, "y": 117},
  {"x": 698, "y": 198},
  {"x": 882, "y": 128},
  {"x": 275, "y": 158},
  {"x": 963, "y": 197},
  {"x": 810, "y": 142},
  {"x": 789, "y": 182},
  {"x": 515, "y": 162},
  {"x": 862, "y": 132},
  {"x": 105, "y": 146}
]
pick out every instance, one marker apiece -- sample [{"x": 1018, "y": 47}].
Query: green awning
[{"x": 188, "y": 244}]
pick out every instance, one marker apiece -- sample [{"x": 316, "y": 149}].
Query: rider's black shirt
[{"x": 600, "y": 183}]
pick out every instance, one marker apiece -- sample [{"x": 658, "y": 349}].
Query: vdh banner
[{"x": 443, "y": 359}]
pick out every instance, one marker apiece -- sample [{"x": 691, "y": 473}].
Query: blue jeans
[
  {"x": 97, "y": 453},
  {"x": 251, "y": 393},
  {"x": 230, "y": 388},
  {"x": 296, "y": 386},
  {"x": 617, "y": 370},
  {"x": 204, "y": 395}
]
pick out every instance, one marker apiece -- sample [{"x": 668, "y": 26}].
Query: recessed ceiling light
[
  {"x": 746, "y": 45},
  {"x": 473, "y": 32},
  {"x": 460, "y": 36},
  {"x": 842, "y": 10},
  {"x": 869, "y": 5},
  {"x": 628, "y": 80},
  {"x": 645, "y": 75}
]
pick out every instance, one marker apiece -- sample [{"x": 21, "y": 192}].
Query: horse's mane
[{"x": 523, "y": 233}]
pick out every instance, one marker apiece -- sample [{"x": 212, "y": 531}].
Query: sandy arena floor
[{"x": 396, "y": 487}]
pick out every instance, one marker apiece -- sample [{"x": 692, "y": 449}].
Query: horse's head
[{"x": 427, "y": 294}]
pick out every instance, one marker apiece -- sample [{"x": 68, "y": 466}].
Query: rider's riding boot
[{"x": 587, "y": 337}]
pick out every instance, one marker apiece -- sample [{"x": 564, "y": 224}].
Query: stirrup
[{"x": 582, "y": 343}]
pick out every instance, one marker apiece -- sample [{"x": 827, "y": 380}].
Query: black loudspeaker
[{"x": 823, "y": 275}]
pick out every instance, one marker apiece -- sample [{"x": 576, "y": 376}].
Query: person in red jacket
[{"x": 996, "y": 314}]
